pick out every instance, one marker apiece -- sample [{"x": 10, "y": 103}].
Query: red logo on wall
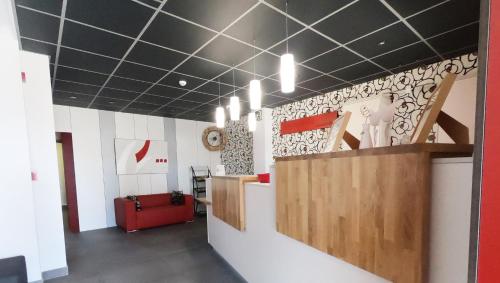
[{"x": 144, "y": 150}]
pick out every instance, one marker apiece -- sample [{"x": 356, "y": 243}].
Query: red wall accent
[
  {"x": 489, "y": 237},
  {"x": 310, "y": 123},
  {"x": 69, "y": 175}
]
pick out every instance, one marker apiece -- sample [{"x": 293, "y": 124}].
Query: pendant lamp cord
[
  {"x": 234, "y": 86},
  {"x": 218, "y": 80},
  {"x": 286, "y": 24},
  {"x": 254, "y": 59}
]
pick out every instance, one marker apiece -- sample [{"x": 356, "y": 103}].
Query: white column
[{"x": 263, "y": 142}]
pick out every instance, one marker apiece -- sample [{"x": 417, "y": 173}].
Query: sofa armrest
[
  {"x": 125, "y": 214},
  {"x": 189, "y": 204}
]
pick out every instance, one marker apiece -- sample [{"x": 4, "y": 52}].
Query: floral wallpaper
[
  {"x": 411, "y": 89},
  {"x": 237, "y": 155}
]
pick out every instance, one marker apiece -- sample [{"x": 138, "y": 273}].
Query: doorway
[{"x": 67, "y": 178}]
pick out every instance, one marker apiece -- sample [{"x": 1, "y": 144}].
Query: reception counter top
[{"x": 435, "y": 150}]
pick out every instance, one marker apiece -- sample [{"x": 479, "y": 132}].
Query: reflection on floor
[{"x": 176, "y": 253}]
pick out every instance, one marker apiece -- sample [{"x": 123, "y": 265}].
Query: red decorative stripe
[
  {"x": 144, "y": 150},
  {"x": 308, "y": 123},
  {"x": 489, "y": 244}
]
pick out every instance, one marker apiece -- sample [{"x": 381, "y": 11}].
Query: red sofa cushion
[
  {"x": 154, "y": 200},
  {"x": 157, "y": 216}
]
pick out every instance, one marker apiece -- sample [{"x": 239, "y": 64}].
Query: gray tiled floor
[{"x": 176, "y": 253}]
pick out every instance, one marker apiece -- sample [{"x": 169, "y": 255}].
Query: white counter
[{"x": 260, "y": 254}]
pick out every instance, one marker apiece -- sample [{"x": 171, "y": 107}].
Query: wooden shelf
[{"x": 204, "y": 201}]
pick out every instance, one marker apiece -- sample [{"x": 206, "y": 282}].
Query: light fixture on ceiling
[
  {"x": 234, "y": 104},
  {"x": 220, "y": 115},
  {"x": 72, "y": 97},
  {"x": 182, "y": 83},
  {"x": 287, "y": 63},
  {"x": 252, "y": 122},
  {"x": 255, "y": 91},
  {"x": 381, "y": 43}
]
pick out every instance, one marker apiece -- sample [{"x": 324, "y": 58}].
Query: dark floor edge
[
  {"x": 228, "y": 264},
  {"x": 54, "y": 273}
]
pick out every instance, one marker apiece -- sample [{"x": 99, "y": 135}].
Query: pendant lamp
[
  {"x": 255, "y": 93},
  {"x": 287, "y": 63},
  {"x": 252, "y": 122}
]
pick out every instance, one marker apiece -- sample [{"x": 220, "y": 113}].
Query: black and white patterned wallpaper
[
  {"x": 411, "y": 90},
  {"x": 237, "y": 155}
]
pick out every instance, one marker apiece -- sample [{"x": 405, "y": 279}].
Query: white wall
[
  {"x": 90, "y": 155},
  {"x": 17, "y": 213},
  {"x": 192, "y": 152},
  {"x": 88, "y": 168},
  {"x": 93, "y": 146},
  {"x": 46, "y": 189},
  {"x": 263, "y": 142}
]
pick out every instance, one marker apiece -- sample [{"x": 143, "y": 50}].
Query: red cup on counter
[{"x": 264, "y": 178}]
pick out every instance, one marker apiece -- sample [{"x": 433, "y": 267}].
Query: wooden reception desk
[
  {"x": 369, "y": 207},
  {"x": 228, "y": 199}
]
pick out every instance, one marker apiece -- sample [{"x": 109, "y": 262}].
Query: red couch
[{"x": 157, "y": 210}]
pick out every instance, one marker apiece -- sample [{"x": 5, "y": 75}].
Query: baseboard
[
  {"x": 230, "y": 266},
  {"x": 54, "y": 273}
]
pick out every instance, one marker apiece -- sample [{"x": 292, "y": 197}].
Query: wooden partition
[
  {"x": 228, "y": 199},
  {"x": 368, "y": 207}
]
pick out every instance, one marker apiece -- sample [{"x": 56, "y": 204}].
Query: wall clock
[{"x": 213, "y": 139}]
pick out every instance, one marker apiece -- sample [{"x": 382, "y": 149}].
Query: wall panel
[
  {"x": 129, "y": 185},
  {"x": 155, "y": 128},
  {"x": 124, "y": 125},
  {"x": 43, "y": 156},
  {"x": 111, "y": 184},
  {"x": 159, "y": 184},
  {"x": 88, "y": 168},
  {"x": 141, "y": 127},
  {"x": 144, "y": 184}
]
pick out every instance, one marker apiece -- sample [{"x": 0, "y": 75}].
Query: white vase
[
  {"x": 384, "y": 134},
  {"x": 366, "y": 138}
]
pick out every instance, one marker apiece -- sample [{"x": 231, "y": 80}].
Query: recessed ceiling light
[
  {"x": 111, "y": 102},
  {"x": 72, "y": 97},
  {"x": 381, "y": 43},
  {"x": 182, "y": 82}
]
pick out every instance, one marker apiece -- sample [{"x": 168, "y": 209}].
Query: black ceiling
[{"x": 128, "y": 55}]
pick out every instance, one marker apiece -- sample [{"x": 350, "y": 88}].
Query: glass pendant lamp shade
[
  {"x": 255, "y": 95},
  {"x": 234, "y": 108},
  {"x": 252, "y": 122},
  {"x": 287, "y": 73},
  {"x": 220, "y": 117}
]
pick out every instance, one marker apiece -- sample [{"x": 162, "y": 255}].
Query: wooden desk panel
[
  {"x": 369, "y": 210},
  {"x": 228, "y": 199}
]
